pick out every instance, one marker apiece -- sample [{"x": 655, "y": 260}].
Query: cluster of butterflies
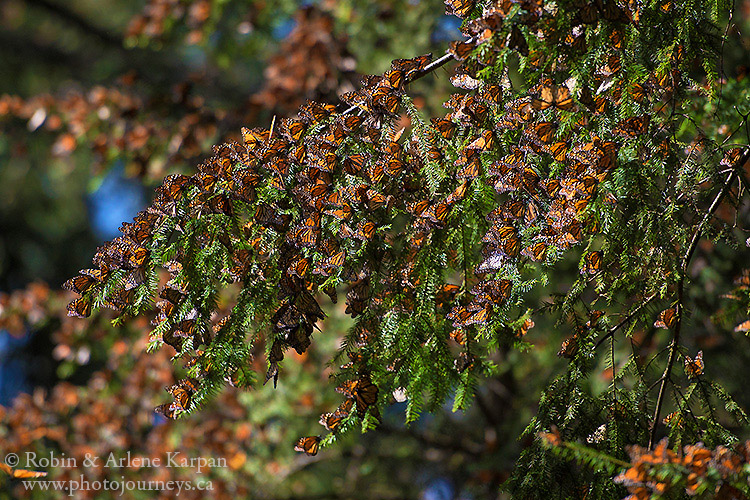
[
  {"x": 361, "y": 391},
  {"x": 128, "y": 253},
  {"x": 330, "y": 182}
]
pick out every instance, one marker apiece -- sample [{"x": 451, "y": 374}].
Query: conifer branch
[{"x": 681, "y": 288}]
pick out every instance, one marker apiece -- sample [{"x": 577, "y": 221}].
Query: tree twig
[{"x": 622, "y": 323}]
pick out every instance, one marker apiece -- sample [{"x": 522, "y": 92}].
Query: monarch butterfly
[
  {"x": 459, "y": 193},
  {"x": 375, "y": 172},
  {"x": 254, "y": 137},
  {"x": 458, "y": 335},
  {"x": 461, "y": 50},
  {"x": 614, "y": 65},
  {"x": 553, "y": 95},
  {"x": 331, "y": 421},
  {"x": 324, "y": 163},
  {"x": 309, "y": 445},
  {"x": 328, "y": 266},
  {"x": 172, "y": 294},
  {"x": 633, "y": 127},
  {"x": 592, "y": 262},
  {"x": 299, "y": 268},
  {"x": 80, "y": 308},
  {"x": 173, "y": 187},
  {"x": 356, "y": 98},
  {"x": 437, "y": 213},
  {"x": 306, "y": 236},
  {"x": 273, "y": 149},
  {"x": 484, "y": 142},
  {"x": 137, "y": 256},
  {"x": 536, "y": 252},
  {"x": 446, "y": 128},
  {"x": 596, "y": 105},
  {"x": 293, "y": 128},
  {"x": 353, "y": 163},
  {"x": 517, "y": 41},
  {"x": 182, "y": 398},
  {"x": 366, "y": 395},
  {"x": 694, "y": 367},
  {"x": 352, "y": 122},
  {"x": 576, "y": 40},
  {"x": 459, "y": 8},
  {"x": 540, "y": 133},
  {"x": 169, "y": 410},
  {"x": 80, "y": 284},
  {"x": 587, "y": 14},
  {"x": 674, "y": 419},
  {"x": 569, "y": 347},
  {"x": 743, "y": 327},
  {"x": 394, "y": 78},
  {"x": 394, "y": 167},
  {"x": 365, "y": 231},
  {"x": 316, "y": 112},
  {"x": 491, "y": 94},
  {"x": 732, "y": 157},
  {"x": 412, "y": 66},
  {"x": 384, "y": 98},
  {"x": 495, "y": 291},
  {"x": 342, "y": 213},
  {"x": 336, "y": 134},
  {"x": 348, "y": 388},
  {"x": 464, "y": 81},
  {"x": 417, "y": 208},
  {"x": 557, "y": 150},
  {"x": 20, "y": 473},
  {"x": 667, "y": 319}
]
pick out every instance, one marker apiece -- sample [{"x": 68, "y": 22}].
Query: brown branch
[
  {"x": 681, "y": 288},
  {"x": 437, "y": 63}
]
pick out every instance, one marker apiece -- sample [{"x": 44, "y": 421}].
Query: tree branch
[
  {"x": 78, "y": 21},
  {"x": 681, "y": 287}
]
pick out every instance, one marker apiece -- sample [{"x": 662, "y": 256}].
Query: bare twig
[{"x": 437, "y": 63}]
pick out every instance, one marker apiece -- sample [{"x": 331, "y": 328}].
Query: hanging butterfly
[
  {"x": 536, "y": 252},
  {"x": 169, "y": 410},
  {"x": 461, "y": 50},
  {"x": 633, "y": 127},
  {"x": 353, "y": 163},
  {"x": 309, "y": 445},
  {"x": 446, "y": 128},
  {"x": 412, "y": 67},
  {"x": 694, "y": 367},
  {"x": 79, "y": 308},
  {"x": 667, "y": 319},
  {"x": 592, "y": 262},
  {"x": 553, "y": 95},
  {"x": 316, "y": 112},
  {"x": 459, "y": 8},
  {"x": 81, "y": 283}
]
